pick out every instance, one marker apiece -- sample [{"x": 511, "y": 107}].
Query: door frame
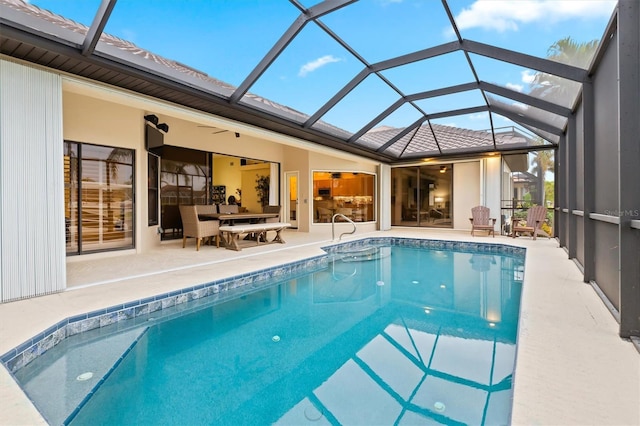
[{"x": 287, "y": 202}]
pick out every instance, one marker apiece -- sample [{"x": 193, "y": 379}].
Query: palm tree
[
  {"x": 116, "y": 157},
  {"x": 570, "y": 52},
  {"x": 566, "y": 51},
  {"x": 542, "y": 163},
  {"x": 559, "y": 90}
]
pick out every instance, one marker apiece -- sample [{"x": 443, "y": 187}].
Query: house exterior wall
[
  {"x": 466, "y": 192},
  {"x": 323, "y": 162},
  {"x": 506, "y": 193},
  {"x": 87, "y": 119},
  {"x": 297, "y": 160},
  {"x": 491, "y": 186},
  {"x": 384, "y": 189},
  {"x": 32, "y": 220},
  {"x": 95, "y": 114}
]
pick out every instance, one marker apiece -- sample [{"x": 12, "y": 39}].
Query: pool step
[
  {"x": 361, "y": 254},
  {"x": 78, "y": 370}
]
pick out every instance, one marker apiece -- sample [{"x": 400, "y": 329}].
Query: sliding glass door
[{"x": 422, "y": 196}]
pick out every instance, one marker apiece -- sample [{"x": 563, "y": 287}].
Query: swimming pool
[{"x": 382, "y": 331}]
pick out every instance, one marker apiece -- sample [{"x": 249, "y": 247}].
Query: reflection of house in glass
[
  {"x": 525, "y": 186},
  {"x": 98, "y": 197}
]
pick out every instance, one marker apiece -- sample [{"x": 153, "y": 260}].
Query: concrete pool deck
[{"x": 571, "y": 368}]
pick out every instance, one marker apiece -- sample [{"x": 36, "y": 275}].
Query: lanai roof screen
[{"x": 401, "y": 78}]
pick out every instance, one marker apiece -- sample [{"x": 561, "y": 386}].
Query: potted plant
[{"x": 262, "y": 189}]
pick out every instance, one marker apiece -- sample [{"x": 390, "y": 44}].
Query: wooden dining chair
[
  {"x": 272, "y": 209},
  {"x": 192, "y": 227}
]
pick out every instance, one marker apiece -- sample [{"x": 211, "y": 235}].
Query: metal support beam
[
  {"x": 377, "y": 67},
  {"x": 291, "y": 32},
  {"x": 560, "y": 184},
  {"x": 629, "y": 151},
  {"x": 453, "y": 113},
  {"x": 523, "y": 119},
  {"x": 410, "y": 98},
  {"x": 525, "y": 99},
  {"x": 97, "y": 26},
  {"x": 589, "y": 181},
  {"x": 397, "y": 104},
  {"x": 572, "y": 199},
  {"x": 337, "y": 97},
  {"x": 420, "y": 55},
  {"x": 269, "y": 58},
  {"x": 539, "y": 64},
  {"x": 443, "y": 91},
  {"x": 404, "y": 132}
]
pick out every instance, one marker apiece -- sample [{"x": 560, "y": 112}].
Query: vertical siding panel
[{"x": 31, "y": 183}]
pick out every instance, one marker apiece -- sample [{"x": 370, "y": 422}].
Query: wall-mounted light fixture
[
  {"x": 443, "y": 169},
  {"x": 153, "y": 119}
]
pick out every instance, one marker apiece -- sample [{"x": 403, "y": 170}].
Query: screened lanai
[
  {"x": 368, "y": 81},
  {"x": 386, "y": 80}
]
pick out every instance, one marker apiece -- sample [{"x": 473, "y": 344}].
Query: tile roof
[
  {"x": 449, "y": 139},
  {"x": 420, "y": 141}
]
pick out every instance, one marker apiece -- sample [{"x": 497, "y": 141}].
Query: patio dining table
[{"x": 230, "y": 218}]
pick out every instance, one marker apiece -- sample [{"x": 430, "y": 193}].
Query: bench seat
[{"x": 231, "y": 233}]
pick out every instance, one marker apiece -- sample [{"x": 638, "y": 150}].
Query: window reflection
[
  {"x": 347, "y": 193},
  {"x": 181, "y": 183},
  {"x": 422, "y": 196},
  {"x": 527, "y": 180},
  {"x": 98, "y": 197}
]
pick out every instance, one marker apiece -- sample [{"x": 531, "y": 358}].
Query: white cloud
[
  {"x": 528, "y": 76},
  {"x": 516, "y": 87},
  {"x": 507, "y": 15},
  {"x": 317, "y": 63},
  {"x": 479, "y": 116}
]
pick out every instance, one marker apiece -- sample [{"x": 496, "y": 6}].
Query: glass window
[
  {"x": 98, "y": 197},
  {"x": 348, "y": 193},
  {"x": 527, "y": 180},
  {"x": 152, "y": 186},
  {"x": 71, "y": 194},
  {"x": 181, "y": 184},
  {"x": 422, "y": 196}
]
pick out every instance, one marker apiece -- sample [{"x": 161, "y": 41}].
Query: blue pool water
[{"x": 391, "y": 335}]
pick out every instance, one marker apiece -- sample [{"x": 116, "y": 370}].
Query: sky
[{"x": 227, "y": 38}]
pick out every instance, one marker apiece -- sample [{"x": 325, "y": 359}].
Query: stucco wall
[
  {"x": 105, "y": 116},
  {"x": 297, "y": 160},
  {"x": 491, "y": 187},
  {"x": 466, "y": 192},
  {"x": 90, "y": 120}
]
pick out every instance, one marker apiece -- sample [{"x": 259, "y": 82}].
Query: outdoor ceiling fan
[{"x": 218, "y": 130}]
